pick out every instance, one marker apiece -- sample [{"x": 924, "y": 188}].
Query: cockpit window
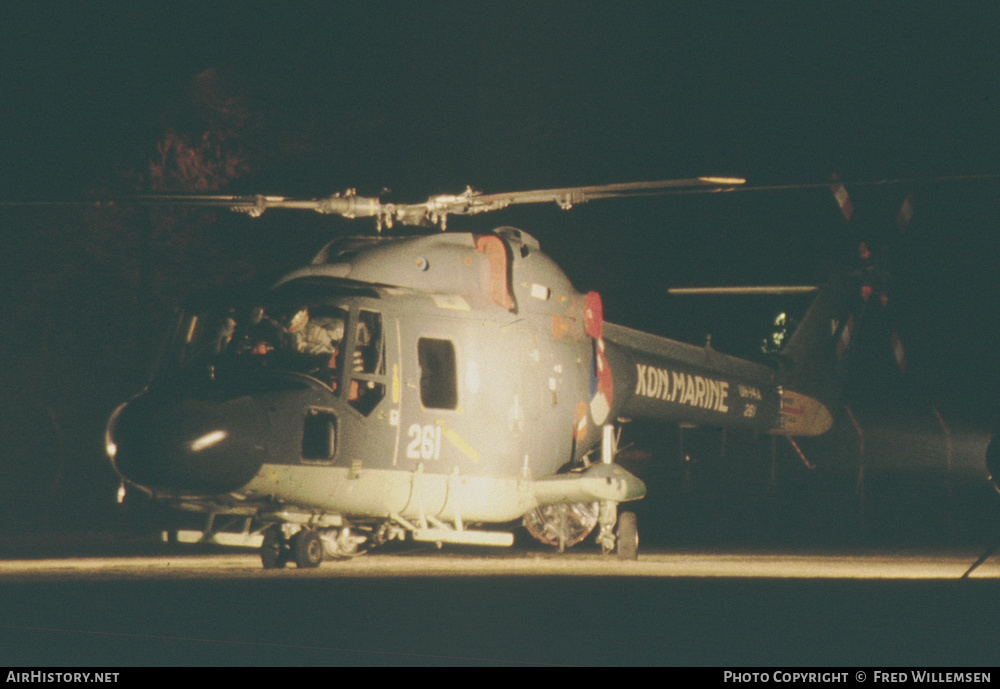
[
  {"x": 367, "y": 386},
  {"x": 369, "y": 355},
  {"x": 303, "y": 337}
]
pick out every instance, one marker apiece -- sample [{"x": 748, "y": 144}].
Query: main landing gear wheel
[
  {"x": 627, "y": 540},
  {"x": 272, "y": 550},
  {"x": 307, "y": 549}
]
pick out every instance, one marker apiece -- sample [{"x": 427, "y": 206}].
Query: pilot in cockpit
[{"x": 319, "y": 335}]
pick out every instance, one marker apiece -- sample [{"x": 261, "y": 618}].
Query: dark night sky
[
  {"x": 511, "y": 94},
  {"x": 428, "y": 97}
]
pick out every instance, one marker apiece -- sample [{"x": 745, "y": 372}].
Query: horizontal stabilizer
[{"x": 802, "y": 415}]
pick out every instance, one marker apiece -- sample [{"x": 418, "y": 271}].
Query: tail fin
[{"x": 811, "y": 369}]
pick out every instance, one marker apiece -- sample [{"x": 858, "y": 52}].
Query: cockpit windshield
[
  {"x": 300, "y": 337},
  {"x": 302, "y": 327}
]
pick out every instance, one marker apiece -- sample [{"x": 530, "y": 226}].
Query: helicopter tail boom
[
  {"x": 658, "y": 378},
  {"x": 662, "y": 379}
]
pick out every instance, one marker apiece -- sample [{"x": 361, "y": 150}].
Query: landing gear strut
[
  {"x": 607, "y": 516},
  {"x": 624, "y": 541}
]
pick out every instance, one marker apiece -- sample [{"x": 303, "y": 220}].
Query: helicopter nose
[{"x": 206, "y": 446}]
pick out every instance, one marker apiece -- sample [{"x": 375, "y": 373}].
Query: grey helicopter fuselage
[
  {"x": 439, "y": 412},
  {"x": 461, "y": 380}
]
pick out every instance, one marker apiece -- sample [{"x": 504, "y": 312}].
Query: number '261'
[{"x": 425, "y": 442}]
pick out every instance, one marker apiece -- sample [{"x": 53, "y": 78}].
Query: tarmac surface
[
  {"x": 244, "y": 565},
  {"x": 722, "y": 609}
]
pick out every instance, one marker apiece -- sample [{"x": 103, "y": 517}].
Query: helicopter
[{"x": 437, "y": 388}]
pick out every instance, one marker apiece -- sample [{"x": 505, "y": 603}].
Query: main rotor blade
[
  {"x": 567, "y": 196},
  {"x": 889, "y": 181},
  {"x": 436, "y": 209},
  {"x": 347, "y": 205},
  {"x": 749, "y": 290}
]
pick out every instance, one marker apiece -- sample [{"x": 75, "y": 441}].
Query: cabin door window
[{"x": 438, "y": 373}]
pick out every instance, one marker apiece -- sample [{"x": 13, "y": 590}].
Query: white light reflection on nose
[{"x": 208, "y": 440}]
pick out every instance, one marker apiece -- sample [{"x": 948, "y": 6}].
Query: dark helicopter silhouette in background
[{"x": 433, "y": 386}]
